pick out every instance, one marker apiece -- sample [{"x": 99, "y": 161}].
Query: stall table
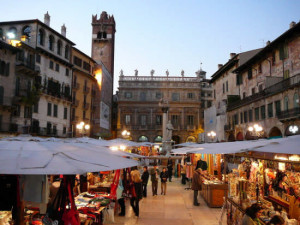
[{"x": 214, "y": 194}]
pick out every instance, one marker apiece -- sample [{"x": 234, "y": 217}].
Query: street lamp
[
  {"x": 82, "y": 127},
  {"x": 293, "y": 129},
  {"x": 125, "y": 134},
  {"x": 211, "y": 135},
  {"x": 256, "y": 129}
]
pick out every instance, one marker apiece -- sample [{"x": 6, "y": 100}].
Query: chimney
[
  {"x": 220, "y": 66},
  {"x": 268, "y": 42},
  {"x": 232, "y": 55},
  {"x": 63, "y": 30},
  {"x": 292, "y": 24},
  {"x": 47, "y": 19}
]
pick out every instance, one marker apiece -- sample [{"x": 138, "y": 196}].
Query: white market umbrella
[
  {"x": 188, "y": 144},
  {"x": 46, "y": 157}
]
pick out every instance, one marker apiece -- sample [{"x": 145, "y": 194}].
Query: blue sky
[{"x": 167, "y": 34}]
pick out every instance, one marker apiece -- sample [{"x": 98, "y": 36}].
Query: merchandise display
[{"x": 274, "y": 184}]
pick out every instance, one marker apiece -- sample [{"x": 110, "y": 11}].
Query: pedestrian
[
  {"x": 136, "y": 190},
  {"x": 120, "y": 196},
  {"x": 201, "y": 164},
  {"x": 164, "y": 179},
  {"x": 170, "y": 169},
  {"x": 196, "y": 185},
  {"x": 252, "y": 214},
  {"x": 183, "y": 173},
  {"x": 154, "y": 179},
  {"x": 145, "y": 178}
]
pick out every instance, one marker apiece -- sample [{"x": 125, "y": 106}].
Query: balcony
[
  {"x": 272, "y": 90},
  {"x": 86, "y": 90},
  {"x": 75, "y": 85},
  {"x": 75, "y": 102},
  {"x": 86, "y": 106},
  {"x": 27, "y": 66},
  {"x": 289, "y": 114}
]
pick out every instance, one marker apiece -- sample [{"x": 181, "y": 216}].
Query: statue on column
[
  {"x": 121, "y": 73},
  {"x": 182, "y": 73},
  {"x": 169, "y": 130},
  {"x": 167, "y": 73},
  {"x": 152, "y": 72},
  {"x": 136, "y": 72}
]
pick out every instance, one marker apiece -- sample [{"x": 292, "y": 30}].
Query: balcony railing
[
  {"x": 155, "y": 78},
  {"x": 25, "y": 65},
  {"x": 289, "y": 114},
  {"x": 274, "y": 89}
]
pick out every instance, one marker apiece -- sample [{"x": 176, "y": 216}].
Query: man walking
[
  {"x": 154, "y": 179},
  {"x": 164, "y": 179},
  {"x": 196, "y": 185},
  {"x": 145, "y": 178}
]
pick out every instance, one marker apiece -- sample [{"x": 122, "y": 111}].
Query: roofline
[
  {"x": 40, "y": 22},
  {"x": 217, "y": 74},
  {"x": 76, "y": 49},
  {"x": 269, "y": 47}
]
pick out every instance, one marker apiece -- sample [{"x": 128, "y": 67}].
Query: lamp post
[
  {"x": 257, "y": 130},
  {"x": 211, "y": 135},
  {"x": 82, "y": 127},
  {"x": 125, "y": 134}
]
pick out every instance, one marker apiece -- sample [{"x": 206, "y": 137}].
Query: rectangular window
[
  {"x": 86, "y": 66},
  {"x": 250, "y": 114},
  {"x": 283, "y": 52},
  {"x": 49, "y": 125},
  {"x": 260, "y": 68},
  {"x": 158, "y": 120},
  {"x": 175, "y": 97},
  {"x": 158, "y": 95},
  {"x": 77, "y": 61},
  {"x": 263, "y": 112},
  {"x": 277, "y": 107},
  {"x": 49, "y": 109},
  {"x": 256, "y": 110},
  {"x": 36, "y": 107},
  {"x": 54, "y": 130},
  {"x": 239, "y": 79},
  {"x": 270, "y": 110},
  {"x": 51, "y": 64},
  {"x": 250, "y": 73},
  {"x": 226, "y": 86},
  {"x": 73, "y": 114},
  {"x": 65, "y": 113},
  {"x": 143, "y": 120},
  {"x": 67, "y": 72},
  {"x": 191, "y": 95},
  {"x": 235, "y": 119},
  {"x": 57, "y": 67},
  {"x": 246, "y": 117},
  {"x": 223, "y": 88},
  {"x": 241, "y": 118},
  {"x": 38, "y": 58},
  {"x": 83, "y": 115},
  {"x": 128, "y": 95},
  {"x": 190, "y": 120},
  {"x": 55, "y": 110},
  {"x": 214, "y": 93},
  {"x": 127, "y": 119},
  {"x": 64, "y": 130},
  {"x": 175, "y": 119},
  {"x": 27, "y": 112}
]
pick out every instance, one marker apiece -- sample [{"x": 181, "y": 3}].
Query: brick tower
[{"x": 103, "y": 40}]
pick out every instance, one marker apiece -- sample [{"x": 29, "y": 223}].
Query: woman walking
[
  {"x": 136, "y": 190},
  {"x": 164, "y": 178}
]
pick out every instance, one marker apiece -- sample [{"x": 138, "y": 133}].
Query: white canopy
[{"x": 56, "y": 157}]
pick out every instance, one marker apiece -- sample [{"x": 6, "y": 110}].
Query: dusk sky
[{"x": 166, "y": 34}]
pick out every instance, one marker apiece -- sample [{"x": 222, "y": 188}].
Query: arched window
[
  {"x": 67, "y": 52},
  {"x": 104, "y": 35},
  {"x": 296, "y": 100},
  {"x": 51, "y": 42},
  {"x": 12, "y": 33},
  {"x": 286, "y": 103},
  {"x": 26, "y": 31},
  {"x": 158, "y": 138},
  {"x": 59, "y": 44},
  {"x": 99, "y": 35},
  {"x": 41, "y": 37},
  {"x": 143, "y": 138}
]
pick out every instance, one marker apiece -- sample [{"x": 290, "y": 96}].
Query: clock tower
[{"x": 103, "y": 40}]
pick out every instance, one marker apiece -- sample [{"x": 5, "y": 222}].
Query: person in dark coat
[
  {"x": 201, "y": 164},
  {"x": 154, "y": 179},
  {"x": 145, "y": 178},
  {"x": 170, "y": 169},
  {"x": 196, "y": 185},
  {"x": 137, "y": 192},
  {"x": 164, "y": 178}
]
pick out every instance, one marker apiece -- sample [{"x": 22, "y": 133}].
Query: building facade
[
  {"x": 43, "y": 70},
  {"x": 82, "y": 86},
  {"x": 140, "y": 113}
]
